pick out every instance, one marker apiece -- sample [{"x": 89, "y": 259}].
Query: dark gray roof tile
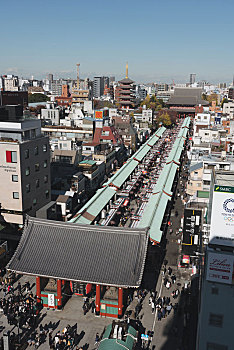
[{"x": 87, "y": 253}]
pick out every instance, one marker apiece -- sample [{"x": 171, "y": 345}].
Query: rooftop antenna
[{"x": 78, "y": 75}]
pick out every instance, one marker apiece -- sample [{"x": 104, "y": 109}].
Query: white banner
[
  {"x": 51, "y": 300},
  {"x": 222, "y": 216},
  {"x": 220, "y": 268}
]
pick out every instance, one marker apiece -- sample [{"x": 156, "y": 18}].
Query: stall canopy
[{"x": 85, "y": 253}]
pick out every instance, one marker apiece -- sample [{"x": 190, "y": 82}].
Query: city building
[
  {"x": 24, "y": 165},
  {"x": 14, "y": 98},
  {"x": 10, "y": 83},
  {"x": 98, "y": 87},
  {"x": 192, "y": 78},
  {"x": 215, "y": 325}
]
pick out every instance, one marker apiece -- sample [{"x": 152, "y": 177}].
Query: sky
[{"x": 162, "y": 40}]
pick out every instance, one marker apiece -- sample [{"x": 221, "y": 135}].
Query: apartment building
[{"x": 24, "y": 166}]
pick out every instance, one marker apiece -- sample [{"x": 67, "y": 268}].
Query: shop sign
[{"x": 220, "y": 268}]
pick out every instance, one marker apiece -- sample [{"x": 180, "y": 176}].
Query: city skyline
[{"x": 161, "y": 41}]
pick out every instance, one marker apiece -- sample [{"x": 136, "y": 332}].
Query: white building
[
  {"x": 24, "y": 169},
  {"x": 228, "y": 108},
  {"x": 215, "y": 324}
]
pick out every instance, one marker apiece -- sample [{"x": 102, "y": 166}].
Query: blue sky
[{"x": 161, "y": 40}]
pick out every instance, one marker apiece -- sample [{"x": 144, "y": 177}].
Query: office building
[
  {"x": 98, "y": 87},
  {"x": 24, "y": 165},
  {"x": 192, "y": 78},
  {"x": 215, "y": 326}
]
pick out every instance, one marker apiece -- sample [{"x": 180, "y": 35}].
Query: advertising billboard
[
  {"x": 98, "y": 115},
  {"x": 220, "y": 268},
  {"x": 222, "y": 215}
]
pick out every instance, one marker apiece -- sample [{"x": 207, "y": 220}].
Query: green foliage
[
  {"x": 152, "y": 103},
  {"x": 224, "y": 100},
  {"x": 34, "y": 98},
  {"x": 164, "y": 119}
]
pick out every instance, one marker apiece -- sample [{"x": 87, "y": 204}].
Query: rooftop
[{"x": 86, "y": 253}]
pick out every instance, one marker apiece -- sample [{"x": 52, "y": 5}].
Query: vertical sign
[{"x": 51, "y": 300}]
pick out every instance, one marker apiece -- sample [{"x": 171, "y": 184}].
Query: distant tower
[
  {"x": 192, "y": 78},
  {"x": 233, "y": 81},
  {"x": 78, "y": 75},
  {"x": 50, "y": 77}
]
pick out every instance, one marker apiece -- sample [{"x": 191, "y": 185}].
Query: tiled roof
[
  {"x": 196, "y": 166},
  {"x": 92, "y": 254}
]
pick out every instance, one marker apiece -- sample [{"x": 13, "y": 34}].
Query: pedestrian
[
  {"x": 168, "y": 284},
  {"x": 93, "y": 306},
  {"x": 152, "y": 306},
  {"x": 173, "y": 278},
  {"x": 169, "y": 271},
  {"x": 159, "y": 315},
  {"x": 19, "y": 288},
  {"x": 97, "y": 338},
  {"x": 169, "y": 308},
  {"x": 163, "y": 311}
]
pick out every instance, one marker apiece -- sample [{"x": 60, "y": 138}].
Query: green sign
[{"x": 227, "y": 189}]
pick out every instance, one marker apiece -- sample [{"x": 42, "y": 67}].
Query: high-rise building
[
  {"x": 98, "y": 86},
  {"x": 24, "y": 165},
  {"x": 10, "y": 83},
  {"x": 50, "y": 77},
  {"x": 192, "y": 78},
  {"x": 215, "y": 325}
]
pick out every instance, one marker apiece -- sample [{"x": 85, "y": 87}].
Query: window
[
  {"x": 37, "y": 167},
  {"x": 216, "y": 320},
  {"x": 11, "y": 157},
  {"x": 34, "y": 201},
  {"x": 15, "y": 178},
  {"x": 16, "y": 195},
  {"x": 45, "y": 164},
  {"x": 45, "y": 179},
  {"x": 37, "y": 183},
  {"x": 28, "y": 188},
  {"x": 36, "y": 151},
  {"x": 26, "y": 153},
  {"x": 47, "y": 193},
  {"x": 214, "y": 346},
  {"x": 27, "y": 171}
]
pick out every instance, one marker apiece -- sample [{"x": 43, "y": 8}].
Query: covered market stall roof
[
  {"x": 156, "y": 207},
  {"x": 94, "y": 206},
  {"x": 85, "y": 253}
]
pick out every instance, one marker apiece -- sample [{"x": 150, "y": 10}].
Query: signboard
[
  {"x": 220, "y": 268},
  {"x": 51, "y": 300},
  {"x": 186, "y": 259},
  {"x": 99, "y": 115},
  {"x": 222, "y": 216}
]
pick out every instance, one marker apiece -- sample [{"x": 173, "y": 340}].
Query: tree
[
  {"x": 164, "y": 119},
  {"x": 34, "y": 98},
  {"x": 224, "y": 100},
  {"x": 212, "y": 97}
]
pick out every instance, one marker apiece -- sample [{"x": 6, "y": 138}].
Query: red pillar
[
  {"x": 59, "y": 293},
  {"x": 120, "y": 302},
  {"x": 38, "y": 289},
  {"x": 98, "y": 299}
]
